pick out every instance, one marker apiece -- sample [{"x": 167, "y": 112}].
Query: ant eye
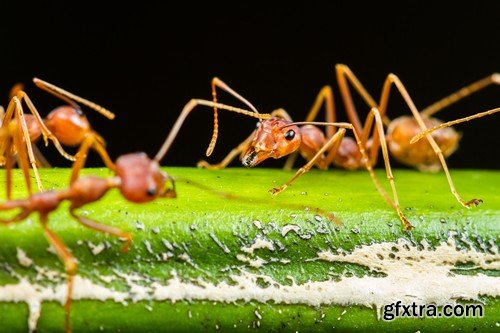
[
  {"x": 151, "y": 191},
  {"x": 290, "y": 135}
]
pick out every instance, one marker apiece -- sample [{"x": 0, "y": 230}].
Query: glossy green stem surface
[{"x": 201, "y": 235}]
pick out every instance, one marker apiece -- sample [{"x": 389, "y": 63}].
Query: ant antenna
[
  {"x": 451, "y": 123},
  {"x": 187, "y": 110},
  {"x": 318, "y": 123},
  {"x": 71, "y": 98}
]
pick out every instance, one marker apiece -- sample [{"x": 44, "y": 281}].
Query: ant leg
[
  {"x": 104, "y": 228},
  {"x": 368, "y": 165},
  {"x": 41, "y": 161},
  {"x": 325, "y": 96},
  {"x": 46, "y": 133},
  {"x": 13, "y": 204},
  {"x": 70, "y": 265},
  {"x": 187, "y": 110},
  {"x": 460, "y": 94},
  {"x": 170, "y": 192},
  {"x": 452, "y": 123},
  {"x": 91, "y": 141},
  {"x": 72, "y": 98},
  {"x": 22, "y": 142},
  {"x": 25, "y": 147},
  {"x": 241, "y": 148},
  {"x": 344, "y": 77},
  {"x": 329, "y": 144},
  {"x": 385, "y": 153},
  {"x": 9, "y": 164},
  {"x": 6, "y": 119},
  {"x": 390, "y": 177},
  {"x": 394, "y": 80},
  {"x": 23, "y": 156},
  {"x": 99, "y": 145},
  {"x": 343, "y": 73}
]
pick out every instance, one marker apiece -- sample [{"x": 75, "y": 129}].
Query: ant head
[
  {"x": 274, "y": 137},
  {"x": 142, "y": 179},
  {"x": 68, "y": 124}
]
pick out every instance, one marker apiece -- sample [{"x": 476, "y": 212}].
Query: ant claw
[
  {"x": 205, "y": 165},
  {"x": 202, "y": 164},
  {"x": 474, "y": 202},
  {"x": 408, "y": 227},
  {"x": 276, "y": 190},
  {"x": 128, "y": 242},
  {"x": 171, "y": 194}
]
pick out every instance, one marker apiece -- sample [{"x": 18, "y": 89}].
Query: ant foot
[
  {"x": 335, "y": 219},
  {"x": 170, "y": 193},
  {"x": 277, "y": 190},
  {"x": 71, "y": 266},
  {"x": 128, "y": 241},
  {"x": 473, "y": 203},
  {"x": 408, "y": 226},
  {"x": 205, "y": 165}
]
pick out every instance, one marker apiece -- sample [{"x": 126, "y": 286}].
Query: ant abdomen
[
  {"x": 420, "y": 154},
  {"x": 69, "y": 125}
]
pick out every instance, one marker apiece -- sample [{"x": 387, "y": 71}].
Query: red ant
[
  {"x": 139, "y": 179},
  {"x": 278, "y": 136},
  {"x": 65, "y": 125}
]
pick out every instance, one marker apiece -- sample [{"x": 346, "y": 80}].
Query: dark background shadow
[{"x": 145, "y": 61}]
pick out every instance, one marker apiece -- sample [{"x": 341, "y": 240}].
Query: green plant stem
[{"x": 199, "y": 235}]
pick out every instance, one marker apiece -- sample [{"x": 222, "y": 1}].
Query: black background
[{"x": 144, "y": 61}]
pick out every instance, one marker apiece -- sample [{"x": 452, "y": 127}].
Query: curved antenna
[
  {"x": 453, "y": 122},
  {"x": 319, "y": 123},
  {"x": 71, "y": 98},
  {"x": 216, "y": 82},
  {"x": 187, "y": 110}
]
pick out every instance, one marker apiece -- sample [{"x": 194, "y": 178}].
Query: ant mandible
[
  {"x": 66, "y": 125},
  {"x": 138, "y": 178},
  {"x": 428, "y": 155}
]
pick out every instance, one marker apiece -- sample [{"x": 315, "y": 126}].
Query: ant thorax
[
  {"x": 420, "y": 154},
  {"x": 348, "y": 155}
]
